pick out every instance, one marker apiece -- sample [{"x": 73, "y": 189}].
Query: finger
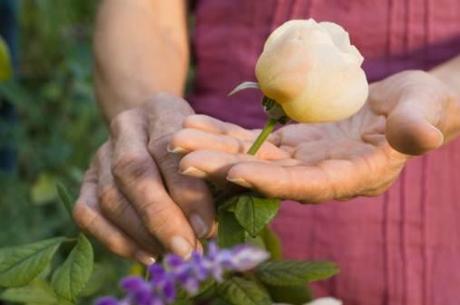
[
  {"x": 140, "y": 181},
  {"x": 192, "y": 195},
  {"x": 410, "y": 128},
  {"x": 166, "y": 114},
  {"x": 297, "y": 183},
  {"x": 212, "y": 165},
  {"x": 215, "y": 126},
  {"x": 88, "y": 217},
  {"x": 416, "y": 106},
  {"x": 117, "y": 209},
  {"x": 331, "y": 179},
  {"x": 187, "y": 140}
]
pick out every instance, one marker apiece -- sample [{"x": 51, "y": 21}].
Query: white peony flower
[
  {"x": 312, "y": 71},
  {"x": 325, "y": 301},
  {"x": 320, "y": 301}
]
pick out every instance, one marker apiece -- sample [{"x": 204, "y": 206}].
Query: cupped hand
[
  {"x": 133, "y": 199},
  {"x": 406, "y": 114}
]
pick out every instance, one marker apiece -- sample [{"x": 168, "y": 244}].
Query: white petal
[
  {"x": 325, "y": 301},
  {"x": 342, "y": 40}
]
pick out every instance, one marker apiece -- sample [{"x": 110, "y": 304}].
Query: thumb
[{"x": 411, "y": 126}]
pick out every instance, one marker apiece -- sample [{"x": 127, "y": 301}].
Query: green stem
[{"x": 268, "y": 128}]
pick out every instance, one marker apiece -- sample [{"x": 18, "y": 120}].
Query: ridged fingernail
[
  {"x": 181, "y": 247},
  {"x": 144, "y": 258},
  {"x": 192, "y": 171},
  {"x": 176, "y": 150},
  {"x": 199, "y": 226},
  {"x": 240, "y": 181}
]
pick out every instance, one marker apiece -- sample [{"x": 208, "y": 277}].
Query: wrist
[{"x": 166, "y": 114}]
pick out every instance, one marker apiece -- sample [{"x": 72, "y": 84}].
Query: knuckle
[
  {"x": 116, "y": 245},
  {"x": 157, "y": 218},
  {"x": 180, "y": 138},
  {"x": 110, "y": 201},
  {"x": 121, "y": 119},
  {"x": 158, "y": 147},
  {"x": 131, "y": 166},
  {"x": 189, "y": 192},
  {"x": 82, "y": 215}
]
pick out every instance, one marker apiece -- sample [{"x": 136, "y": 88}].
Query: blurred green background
[{"x": 57, "y": 126}]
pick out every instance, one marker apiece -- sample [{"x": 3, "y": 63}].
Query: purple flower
[
  {"x": 132, "y": 284},
  {"x": 107, "y": 301},
  {"x": 176, "y": 273},
  {"x": 245, "y": 258}
]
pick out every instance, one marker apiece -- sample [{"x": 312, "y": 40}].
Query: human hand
[
  {"x": 406, "y": 114},
  {"x": 133, "y": 199}
]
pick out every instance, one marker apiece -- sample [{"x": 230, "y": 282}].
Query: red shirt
[{"x": 401, "y": 248}]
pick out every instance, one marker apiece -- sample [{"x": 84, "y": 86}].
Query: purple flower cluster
[{"x": 176, "y": 273}]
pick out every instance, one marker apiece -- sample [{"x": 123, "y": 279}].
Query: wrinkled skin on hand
[
  {"x": 407, "y": 114},
  {"x": 133, "y": 198}
]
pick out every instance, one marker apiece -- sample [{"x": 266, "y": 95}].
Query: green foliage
[
  {"x": 37, "y": 292},
  {"x": 71, "y": 277},
  {"x": 20, "y": 265},
  {"x": 254, "y": 212},
  {"x": 230, "y": 232},
  {"x": 272, "y": 243},
  {"x": 294, "y": 273},
  {"x": 56, "y": 132},
  {"x": 240, "y": 291},
  {"x": 65, "y": 198},
  {"x": 245, "y": 218},
  {"x": 58, "y": 127},
  {"x": 295, "y": 295},
  {"x": 5, "y": 63}
]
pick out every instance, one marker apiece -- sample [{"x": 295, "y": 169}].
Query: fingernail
[
  {"x": 199, "y": 248},
  {"x": 440, "y": 136},
  {"x": 199, "y": 226},
  {"x": 240, "y": 181},
  {"x": 192, "y": 171},
  {"x": 176, "y": 150},
  {"x": 181, "y": 247},
  {"x": 144, "y": 258}
]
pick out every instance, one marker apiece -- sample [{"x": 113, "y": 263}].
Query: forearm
[
  {"x": 140, "y": 48},
  {"x": 449, "y": 74}
]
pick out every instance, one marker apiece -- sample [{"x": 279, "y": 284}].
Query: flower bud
[{"x": 312, "y": 71}]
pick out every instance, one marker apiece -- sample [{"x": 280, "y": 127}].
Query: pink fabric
[{"x": 401, "y": 248}]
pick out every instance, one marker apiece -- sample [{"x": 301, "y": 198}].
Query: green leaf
[
  {"x": 183, "y": 302},
  {"x": 37, "y": 292},
  {"x": 71, "y": 277},
  {"x": 253, "y": 212},
  {"x": 295, "y": 295},
  {"x": 65, "y": 197},
  {"x": 292, "y": 273},
  {"x": 20, "y": 265},
  {"x": 5, "y": 62},
  {"x": 207, "y": 288},
  {"x": 218, "y": 301},
  {"x": 230, "y": 233},
  {"x": 99, "y": 277},
  {"x": 272, "y": 243},
  {"x": 239, "y": 291}
]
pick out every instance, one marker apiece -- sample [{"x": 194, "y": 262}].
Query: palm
[
  {"x": 307, "y": 162},
  {"x": 353, "y": 155}
]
